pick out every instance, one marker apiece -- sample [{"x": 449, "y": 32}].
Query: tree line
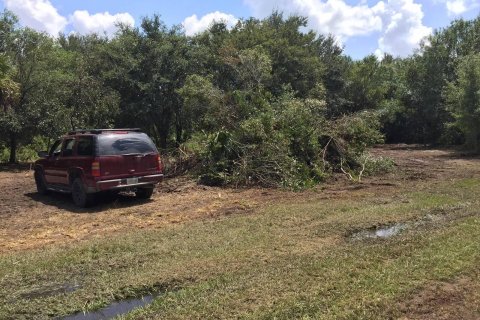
[{"x": 264, "y": 102}]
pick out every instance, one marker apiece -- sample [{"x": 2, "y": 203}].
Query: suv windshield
[{"x": 124, "y": 144}]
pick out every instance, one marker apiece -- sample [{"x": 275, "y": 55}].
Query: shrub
[
  {"x": 379, "y": 165},
  {"x": 26, "y": 153},
  {"x": 288, "y": 143}
]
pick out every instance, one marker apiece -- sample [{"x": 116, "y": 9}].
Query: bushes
[
  {"x": 26, "y": 153},
  {"x": 378, "y": 165},
  {"x": 287, "y": 142}
]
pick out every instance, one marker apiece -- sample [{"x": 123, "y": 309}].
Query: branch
[
  {"x": 349, "y": 176},
  {"x": 324, "y": 152},
  {"x": 363, "y": 169}
]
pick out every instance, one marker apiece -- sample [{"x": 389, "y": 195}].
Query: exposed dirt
[
  {"x": 458, "y": 299},
  {"x": 30, "y": 220}
]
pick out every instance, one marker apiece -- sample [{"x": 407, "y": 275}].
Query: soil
[
  {"x": 455, "y": 300},
  {"x": 30, "y": 220}
]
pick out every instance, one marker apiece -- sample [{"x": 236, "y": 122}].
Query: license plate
[{"x": 132, "y": 180}]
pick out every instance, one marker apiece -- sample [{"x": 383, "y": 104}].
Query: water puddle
[
  {"x": 113, "y": 310},
  {"x": 436, "y": 217},
  {"x": 125, "y": 306},
  {"x": 381, "y": 232}
]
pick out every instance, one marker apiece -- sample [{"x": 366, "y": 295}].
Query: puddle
[
  {"x": 436, "y": 217},
  {"x": 122, "y": 307},
  {"x": 382, "y": 232},
  {"x": 112, "y": 310},
  {"x": 388, "y": 232},
  {"x": 50, "y": 291}
]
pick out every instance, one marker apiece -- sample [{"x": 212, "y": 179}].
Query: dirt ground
[
  {"x": 454, "y": 300},
  {"x": 30, "y": 220}
]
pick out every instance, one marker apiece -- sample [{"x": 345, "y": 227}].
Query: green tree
[
  {"x": 254, "y": 68},
  {"x": 463, "y": 97},
  {"x": 369, "y": 83},
  {"x": 419, "y": 112},
  {"x": 27, "y": 51},
  {"x": 9, "y": 90},
  {"x": 148, "y": 66},
  {"x": 87, "y": 100},
  {"x": 9, "y": 94},
  {"x": 202, "y": 105}
]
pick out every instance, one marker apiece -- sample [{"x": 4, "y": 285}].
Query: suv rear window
[{"x": 124, "y": 144}]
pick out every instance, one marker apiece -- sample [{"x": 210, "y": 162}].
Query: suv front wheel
[
  {"x": 80, "y": 196},
  {"x": 40, "y": 182}
]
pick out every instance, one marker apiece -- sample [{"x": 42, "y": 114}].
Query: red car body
[{"x": 85, "y": 162}]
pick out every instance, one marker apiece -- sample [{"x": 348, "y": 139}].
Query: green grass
[{"x": 291, "y": 260}]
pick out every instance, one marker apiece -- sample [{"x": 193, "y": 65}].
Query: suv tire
[
  {"x": 79, "y": 195},
  {"x": 40, "y": 182},
  {"x": 144, "y": 193}
]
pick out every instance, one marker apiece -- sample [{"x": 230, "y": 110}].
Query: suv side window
[
  {"x": 55, "y": 149},
  {"x": 68, "y": 148},
  {"x": 85, "y": 146}
]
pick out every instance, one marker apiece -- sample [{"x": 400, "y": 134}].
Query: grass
[{"x": 292, "y": 260}]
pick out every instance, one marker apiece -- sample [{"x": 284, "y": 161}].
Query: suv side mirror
[{"x": 42, "y": 154}]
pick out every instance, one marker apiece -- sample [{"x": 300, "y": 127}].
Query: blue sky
[{"x": 361, "y": 26}]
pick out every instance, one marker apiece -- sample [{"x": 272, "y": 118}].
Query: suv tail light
[
  {"x": 159, "y": 163},
  {"x": 96, "y": 168}
]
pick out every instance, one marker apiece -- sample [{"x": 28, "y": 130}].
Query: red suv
[{"x": 85, "y": 162}]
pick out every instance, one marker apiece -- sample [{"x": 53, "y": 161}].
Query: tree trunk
[
  {"x": 475, "y": 140},
  {"x": 163, "y": 126},
  {"x": 178, "y": 133},
  {"x": 72, "y": 123},
  {"x": 162, "y": 135},
  {"x": 163, "y": 141},
  {"x": 471, "y": 136},
  {"x": 13, "y": 148}
]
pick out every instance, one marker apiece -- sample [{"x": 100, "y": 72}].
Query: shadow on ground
[
  {"x": 16, "y": 167},
  {"x": 101, "y": 202}
]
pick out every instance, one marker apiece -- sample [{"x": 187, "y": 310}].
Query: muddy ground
[{"x": 30, "y": 220}]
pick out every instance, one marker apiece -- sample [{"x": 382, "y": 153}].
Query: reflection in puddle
[
  {"x": 436, "y": 217},
  {"x": 388, "y": 232},
  {"x": 384, "y": 232},
  {"x": 112, "y": 310},
  {"x": 394, "y": 229}
]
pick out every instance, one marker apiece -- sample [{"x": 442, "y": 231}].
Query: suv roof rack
[{"x": 98, "y": 131}]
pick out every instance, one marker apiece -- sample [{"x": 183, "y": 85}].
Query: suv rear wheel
[
  {"x": 79, "y": 195},
  {"x": 144, "y": 193},
  {"x": 40, "y": 182}
]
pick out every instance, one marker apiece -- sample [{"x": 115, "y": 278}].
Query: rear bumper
[{"x": 104, "y": 185}]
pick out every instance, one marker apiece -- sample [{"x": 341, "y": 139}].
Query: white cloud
[
  {"x": 457, "y": 7},
  {"x": 403, "y": 28},
  {"x": 84, "y": 23},
  {"x": 399, "y": 22},
  {"x": 43, "y": 16},
  {"x": 331, "y": 16},
  {"x": 38, "y": 14},
  {"x": 194, "y": 25}
]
